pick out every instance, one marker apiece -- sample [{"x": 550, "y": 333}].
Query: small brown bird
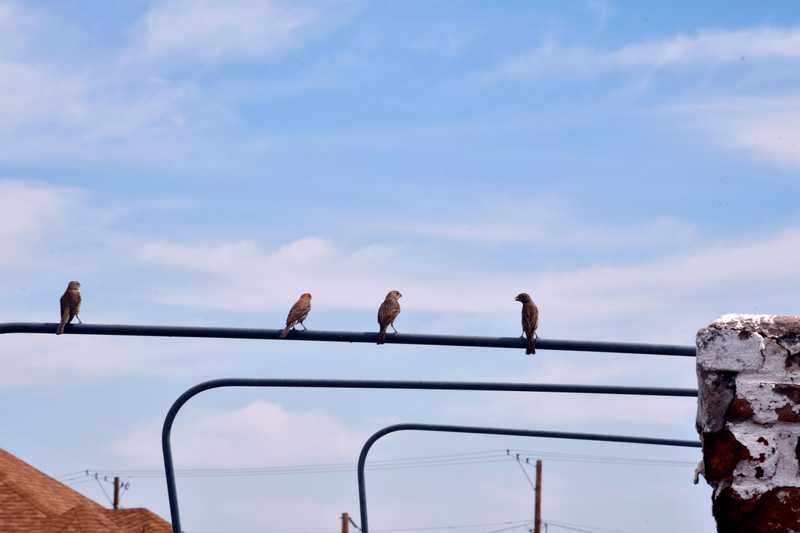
[
  {"x": 70, "y": 305},
  {"x": 298, "y": 313},
  {"x": 530, "y": 321},
  {"x": 387, "y": 312}
]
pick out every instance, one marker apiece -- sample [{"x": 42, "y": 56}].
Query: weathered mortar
[{"x": 748, "y": 417}]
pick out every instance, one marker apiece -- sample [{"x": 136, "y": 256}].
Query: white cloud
[
  {"x": 56, "y": 106},
  {"x": 46, "y": 111},
  {"x": 48, "y": 360},
  {"x": 248, "y": 276},
  {"x": 17, "y": 23},
  {"x": 34, "y": 94},
  {"x": 215, "y": 30},
  {"x": 716, "y": 46},
  {"x": 768, "y": 128},
  {"x": 37, "y": 218},
  {"x": 30, "y": 209},
  {"x": 244, "y": 436},
  {"x": 610, "y": 296},
  {"x": 708, "y": 46},
  {"x": 548, "y": 228},
  {"x": 49, "y": 226}
]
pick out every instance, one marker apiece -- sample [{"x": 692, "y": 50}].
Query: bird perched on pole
[
  {"x": 387, "y": 312},
  {"x": 70, "y": 305},
  {"x": 298, "y": 313},
  {"x": 530, "y": 321}
]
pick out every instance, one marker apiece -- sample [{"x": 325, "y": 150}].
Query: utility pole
[
  {"x": 345, "y": 523},
  {"x": 116, "y": 492},
  {"x": 537, "y": 513}
]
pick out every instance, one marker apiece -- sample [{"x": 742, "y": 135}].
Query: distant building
[{"x": 33, "y": 502}]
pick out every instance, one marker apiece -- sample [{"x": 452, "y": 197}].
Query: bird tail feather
[
  {"x": 531, "y": 348},
  {"x": 285, "y": 332},
  {"x": 66, "y": 318},
  {"x": 382, "y": 335}
]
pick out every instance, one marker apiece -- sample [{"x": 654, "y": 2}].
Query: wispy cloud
[
  {"x": 17, "y": 23},
  {"x": 243, "y": 436},
  {"x": 708, "y": 46},
  {"x": 702, "y": 281},
  {"x": 46, "y": 111},
  {"x": 34, "y": 94},
  {"x": 546, "y": 227},
  {"x": 216, "y": 30},
  {"x": 767, "y": 128},
  {"x": 248, "y": 276},
  {"x": 48, "y": 361}
]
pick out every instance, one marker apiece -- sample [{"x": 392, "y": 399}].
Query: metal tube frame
[
  {"x": 478, "y": 430},
  {"x": 166, "y": 432},
  {"x": 349, "y": 336}
]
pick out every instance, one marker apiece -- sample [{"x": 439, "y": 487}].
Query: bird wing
[
  {"x": 298, "y": 312},
  {"x": 66, "y": 314},
  {"x": 530, "y": 318},
  {"x": 387, "y": 312}
]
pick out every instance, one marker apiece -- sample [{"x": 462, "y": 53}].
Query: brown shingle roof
[{"x": 33, "y": 502}]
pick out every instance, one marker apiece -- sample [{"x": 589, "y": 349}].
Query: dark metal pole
[
  {"x": 362, "y": 457},
  {"x": 537, "y": 504},
  {"x": 349, "y": 336},
  {"x": 169, "y": 467},
  {"x": 116, "y": 492}
]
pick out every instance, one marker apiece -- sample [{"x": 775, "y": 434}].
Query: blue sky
[{"x": 633, "y": 166}]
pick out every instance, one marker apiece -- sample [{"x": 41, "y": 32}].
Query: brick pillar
[{"x": 748, "y": 417}]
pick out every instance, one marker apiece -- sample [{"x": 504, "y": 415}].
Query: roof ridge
[{"x": 26, "y": 496}]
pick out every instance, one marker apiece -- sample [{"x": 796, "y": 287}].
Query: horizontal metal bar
[
  {"x": 439, "y": 385},
  {"x": 362, "y": 457},
  {"x": 350, "y": 336}
]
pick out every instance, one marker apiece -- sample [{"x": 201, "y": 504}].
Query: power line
[
  {"x": 508, "y": 525},
  {"x": 530, "y": 481},
  {"x": 513, "y": 523},
  {"x": 572, "y": 457},
  {"x": 432, "y": 461},
  {"x": 585, "y": 528},
  {"x": 399, "y": 462},
  {"x": 525, "y": 525},
  {"x": 70, "y": 474},
  {"x": 96, "y": 478},
  {"x": 281, "y": 471}
]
